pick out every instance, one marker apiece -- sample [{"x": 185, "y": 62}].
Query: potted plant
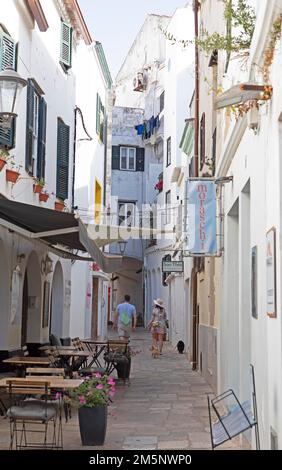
[
  {"x": 13, "y": 173},
  {"x": 92, "y": 398},
  {"x": 43, "y": 196},
  {"x": 4, "y": 157},
  {"x": 121, "y": 358},
  {"x": 59, "y": 205},
  {"x": 38, "y": 185}
]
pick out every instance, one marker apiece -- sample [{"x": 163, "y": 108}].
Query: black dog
[{"x": 180, "y": 346}]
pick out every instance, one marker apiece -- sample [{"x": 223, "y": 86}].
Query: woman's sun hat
[{"x": 159, "y": 303}]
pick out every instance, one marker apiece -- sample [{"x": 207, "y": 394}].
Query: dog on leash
[{"x": 155, "y": 353}]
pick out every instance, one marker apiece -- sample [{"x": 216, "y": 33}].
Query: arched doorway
[
  {"x": 57, "y": 302},
  {"x": 4, "y": 298},
  {"x": 31, "y": 303}
]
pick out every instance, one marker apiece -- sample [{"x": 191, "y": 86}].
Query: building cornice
[{"x": 70, "y": 12}]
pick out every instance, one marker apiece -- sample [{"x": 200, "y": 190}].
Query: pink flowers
[
  {"x": 94, "y": 391},
  {"x": 82, "y": 400}
]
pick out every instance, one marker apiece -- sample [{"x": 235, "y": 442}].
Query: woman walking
[{"x": 157, "y": 325}]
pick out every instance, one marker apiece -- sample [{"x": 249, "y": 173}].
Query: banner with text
[{"x": 202, "y": 217}]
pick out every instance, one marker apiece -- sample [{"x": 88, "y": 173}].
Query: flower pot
[
  {"x": 123, "y": 369},
  {"x": 59, "y": 206},
  {"x": 37, "y": 188},
  {"x": 2, "y": 164},
  {"x": 92, "y": 425},
  {"x": 12, "y": 176},
  {"x": 43, "y": 197}
]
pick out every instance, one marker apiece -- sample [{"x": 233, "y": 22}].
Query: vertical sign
[{"x": 202, "y": 226}]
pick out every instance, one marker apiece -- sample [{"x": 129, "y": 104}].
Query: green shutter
[
  {"x": 7, "y": 59},
  {"x": 63, "y": 143},
  {"x": 29, "y": 127},
  {"x": 140, "y": 159},
  {"x": 115, "y": 157},
  {"x": 98, "y": 104},
  {"x": 66, "y": 45},
  {"x": 41, "y": 139}
]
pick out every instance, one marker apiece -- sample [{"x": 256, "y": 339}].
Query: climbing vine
[
  {"x": 274, "y": 36},
  {"x": 240, "y": 16}
]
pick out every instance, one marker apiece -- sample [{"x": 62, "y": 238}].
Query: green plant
[
  {"x": 95, "y": 391},
  {"x": 4, "y": 155},
  {"x": 39, "y": 181},
  {"x": 14, "y": 166},
  {"x": 240, "y": 16}
]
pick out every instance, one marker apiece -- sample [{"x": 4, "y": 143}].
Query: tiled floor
[{"x": 164, "y": 407}]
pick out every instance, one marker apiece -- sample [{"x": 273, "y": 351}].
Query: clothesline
[{"x": 148, "y": 127}]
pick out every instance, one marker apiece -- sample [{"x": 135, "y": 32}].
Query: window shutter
[
  {"x": 66, "y": 45},
  {"x": 29, "y": 126},
  {"x": 63, "y": 142},
  {"x": 140, "y": 159},
  {"x": 41, "y": 139},
  {"x": 98, "y": 106},
  {"x": 7, "y": 59},
  {"x": 115, "y": 157}
]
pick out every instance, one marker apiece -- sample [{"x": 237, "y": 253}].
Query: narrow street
[{"x": 164, "y": 407}]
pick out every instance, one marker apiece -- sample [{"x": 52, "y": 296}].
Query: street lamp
[
  {"x": 122, "y": 246},
  {"x": 11, "y": 85}
]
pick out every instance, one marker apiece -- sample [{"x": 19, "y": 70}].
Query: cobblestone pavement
[{"x": 163, "y": 407}]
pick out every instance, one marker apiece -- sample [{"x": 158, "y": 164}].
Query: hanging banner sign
[{"x": 202, "y": 217}]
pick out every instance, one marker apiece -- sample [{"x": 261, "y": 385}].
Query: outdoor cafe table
[
  {"x": 21, "y": 363},
  {"x": 54, "y": 348},
  {"x": 54, "y": 381}
]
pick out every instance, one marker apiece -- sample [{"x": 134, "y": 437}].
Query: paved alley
[{"x": 164, "y": 407}]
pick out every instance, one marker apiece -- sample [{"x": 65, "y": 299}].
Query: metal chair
[
  {"x": 232, "y": 417},
  {"x": 28, "y": 410}
]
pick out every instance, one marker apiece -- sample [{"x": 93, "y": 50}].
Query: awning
[
  {"x": 61, "y": 232},
  {"x": 187, "y": 141},
  {"x": 242, "y": 93}
]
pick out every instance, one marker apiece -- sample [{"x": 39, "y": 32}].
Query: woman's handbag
[
  {"x": 155, "y": 324},
  {"x": 167, "y": 324}
]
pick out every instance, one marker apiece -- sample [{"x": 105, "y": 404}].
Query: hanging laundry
[{"x": 139, "y": 129}]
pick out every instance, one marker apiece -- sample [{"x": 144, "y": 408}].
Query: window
[
  {"x": 127, "y": 158},
  {"x": 202, "y": 140},
  {"x": 168, "y": 151},
  {"x": 8, "y": 58},
  {"x": 63, "y": 143},
  {"x": 98, "y": 202},
  {"x": 126, "y": 214},
  {"x": 100, "y": 118},
  {"x": 36, "y": 114},
  {"x": 162, "y": 101},
  {"x": 66, "y": 46},
  {"x": 168, "y": 207}
]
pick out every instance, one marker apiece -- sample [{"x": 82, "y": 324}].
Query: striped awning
[{"x": 187, "y": 141}]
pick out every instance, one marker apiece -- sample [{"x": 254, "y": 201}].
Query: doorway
[
  {"x": 57, "y": 302},
  {"x": 94, "y": 320},
  {"x": 24, "y": 311}
]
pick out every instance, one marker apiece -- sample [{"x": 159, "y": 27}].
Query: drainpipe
[
  {"x": 195, "y": 318},
  {"x": 73, "y": 159}
]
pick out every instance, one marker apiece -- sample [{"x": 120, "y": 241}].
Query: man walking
[{"x": 124, "y": 315}]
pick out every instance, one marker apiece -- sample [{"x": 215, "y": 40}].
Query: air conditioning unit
[{"x": 139, "y": 82}]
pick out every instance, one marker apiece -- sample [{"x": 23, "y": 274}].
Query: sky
[{"x": 115, "y": 23}]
